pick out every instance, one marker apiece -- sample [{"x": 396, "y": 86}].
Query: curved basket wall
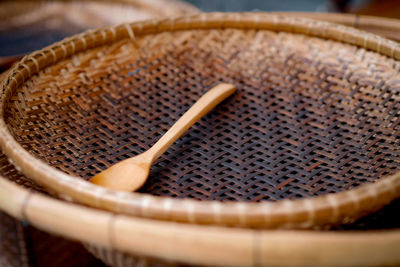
[{"x": 313, "y": 127}]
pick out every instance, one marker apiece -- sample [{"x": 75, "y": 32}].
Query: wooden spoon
[{"x": 132, "y": 173}]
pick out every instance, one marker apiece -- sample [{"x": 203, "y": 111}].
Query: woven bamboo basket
[
  {"x": 119, "y": 258},
  {"x": 28, "y": 25},
  {"x": 122, "y": 240},
  {"x": 313, "y": 127},
  {"x": 87, "y": 13},
  {"x": 12, "y": 251}
]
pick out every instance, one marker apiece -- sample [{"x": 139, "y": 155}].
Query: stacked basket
[
  {"x": 28, "y": 25},
  {"x": 308, "y": 141}
]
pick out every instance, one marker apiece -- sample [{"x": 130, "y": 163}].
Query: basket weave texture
[
  {"x": 300, "y": 125},
  {"x": 312, "y": 116},
  {"x": 35, "y": 212},
  {"x": 12, "y": 252}
]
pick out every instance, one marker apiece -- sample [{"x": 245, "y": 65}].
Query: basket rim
[
  {"x": 301, "y": 213},
  {"x": 198, "y": 244}
]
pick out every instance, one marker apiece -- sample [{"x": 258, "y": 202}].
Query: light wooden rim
[
  {"x": 386, "y": 27},
  {"x": 353, "y": 20},
  {"x": 205, "y": 245},
  {"x": 304, "y": 213}
]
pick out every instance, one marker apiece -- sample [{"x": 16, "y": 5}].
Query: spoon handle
[{"x": 206, "y": 103}]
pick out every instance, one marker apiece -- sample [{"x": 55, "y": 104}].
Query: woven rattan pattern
[
  {"x": 310, "y": 116},
  {"x": 9, "y": 171},
  {"x": 11, "y": 252}
]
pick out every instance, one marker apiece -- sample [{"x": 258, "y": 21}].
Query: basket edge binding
[{"x": 329, "y": 209}]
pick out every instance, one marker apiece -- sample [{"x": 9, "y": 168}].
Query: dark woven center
[{"x": 309, "y": 117}]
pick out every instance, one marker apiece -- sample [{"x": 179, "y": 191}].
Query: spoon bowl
[{"x": 129, "y": 174}]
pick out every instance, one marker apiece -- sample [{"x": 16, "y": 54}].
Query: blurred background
[
  {"x": 282, "y": 5},
  {"x": 387, "y": 8},
  {"x": 30, "y": 25}
]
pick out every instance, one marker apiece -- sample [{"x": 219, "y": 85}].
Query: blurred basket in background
[{"x": 30, "y": 25}]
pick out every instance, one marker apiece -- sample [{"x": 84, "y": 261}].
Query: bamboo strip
[{"x": 386, "y": 27}]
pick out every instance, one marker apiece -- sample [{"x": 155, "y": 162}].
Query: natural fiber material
[
  {"x": 387, "y": 218},
  {"x": 385, "y": 27},
  {"x": 12, "y": 251},
  {"x": 120, "y": 259},
  {"x": 28, "y": 25},
  {"x": 12, "y": 245},
  {"x": 9, "y": 171},
  {"x": 84, "y": 14},
  {"x": 311, "y": 116},
  {"x": 384, "y": 219},
  {"x": 308, "y": 117},
  {"x": 112, "y": 234}
]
